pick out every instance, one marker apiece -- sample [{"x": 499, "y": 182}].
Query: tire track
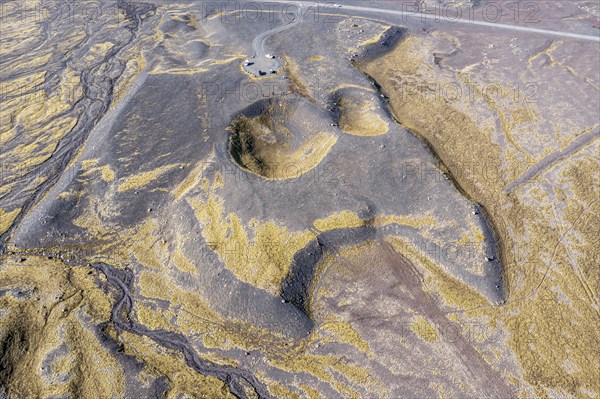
[{"x": 549, "y": 160}]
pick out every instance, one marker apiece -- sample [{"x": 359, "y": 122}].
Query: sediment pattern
[{"x": 173, "y": 226}]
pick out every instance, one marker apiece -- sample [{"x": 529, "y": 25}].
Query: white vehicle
[
  {"x": 269, "y": 56},
  {"x": 337, "y": 5}
]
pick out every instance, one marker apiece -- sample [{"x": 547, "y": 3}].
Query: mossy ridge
[
  {"x": 517, "y": 224},
  {"x": 360, "y": 119}
]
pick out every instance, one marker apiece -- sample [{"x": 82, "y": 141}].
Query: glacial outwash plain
[{"x": 235, "y": 199}]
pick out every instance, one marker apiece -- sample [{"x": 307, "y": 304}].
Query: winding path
[{"x": 260, "y": 60}]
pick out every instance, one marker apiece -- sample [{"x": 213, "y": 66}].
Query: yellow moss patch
[
  {"x": 154, "y": 318},
  {"x": 345, "y": 333},
  {"x": 182, "y": 262},
  {"x": 417, "y": 222},
  {"x": 88, "y": 163},
  {"x": 7, "y": 218},
  {"x": 311, "y": 393},
  {"x": 348, "y": 219},
  {"x": 155, "y": 285},
  {"x": 106, "y": 172},
  {"x": 98, "y": 50},
  {"x": 144, "y": 178},
  {"x": 361, "y": 119},
  {"x": 133, "y": 67},
  {"x": 280, "y": 391},
  {"x": 341, "y": 220},
  {"x": 423, "y": 329}
]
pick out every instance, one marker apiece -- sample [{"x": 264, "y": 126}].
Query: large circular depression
[{"x": 281, "y": 138}]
